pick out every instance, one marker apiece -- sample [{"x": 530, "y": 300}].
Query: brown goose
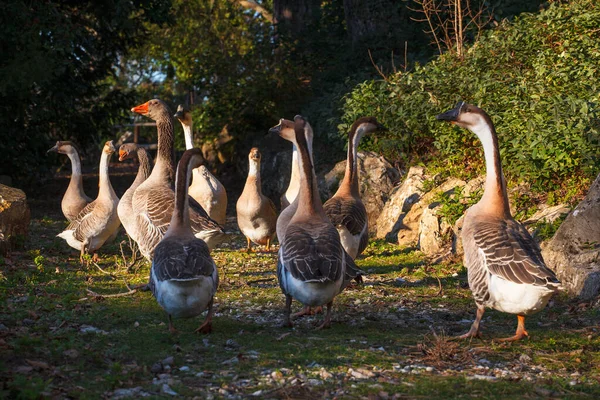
[
  {"x": 184, "y": 277},
  {"x": 205, "y": 188},
  {"x": 312, "y": 267},
  {"x": 346, "y": 209},
  {"x": 75, "y": 198},
  {"x": 98, "y": 221},
  {"x": 125, "y": 208},
  {"x": 506, "y": 270},
  {"x": 256, "y": 213},
  {"x": 154, "y": 199}
]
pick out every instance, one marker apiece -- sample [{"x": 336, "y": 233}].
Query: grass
[{"x": 57, "y": 340}]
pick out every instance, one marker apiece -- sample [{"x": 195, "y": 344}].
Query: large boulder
[
  {"x": 376, "y": 181},
  {"x": 574, "y": 251},
  {"x": 411, "y": 229},
  {"x": 400, "y": 202},
  {"x": 14, "y": 217}
]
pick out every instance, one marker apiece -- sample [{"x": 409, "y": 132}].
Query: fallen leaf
[{"x": 38, "y": 364}]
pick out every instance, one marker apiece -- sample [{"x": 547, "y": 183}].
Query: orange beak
[
  {"x": 122, "y": 155},
  {"x": 141, "y": 109}
]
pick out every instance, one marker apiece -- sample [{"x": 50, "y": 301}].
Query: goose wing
[
  {"x": 88, "y": 221},
  {"x": 199, "y": 218},
  {"x": 312, "y": 253},
  {"x": 347, "y": 212},
  {"x": 182, "y": 260},
  {"x": 512, "y": 254},
  {"x": 352, "y": 270}
]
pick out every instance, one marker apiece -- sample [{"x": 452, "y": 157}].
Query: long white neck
[
  {"x": 76, "y": 181},
  {"x": 294, "y": 187},
  {"x": 188, "y": 135},
  {"x": 494, "y": 194},
  {"x": 105, "y": 189}
]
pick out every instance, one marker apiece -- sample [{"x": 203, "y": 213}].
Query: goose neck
[
  {"x": 188, "y": 135},
  {"x": 143, "y": 169},
  {"x": 181, "y": 214},
  {"x": 350, "y": 182},
  {"x": 76, "y": 177},
  {"x": 308, "y": 195},
  {"x": 495, "y": 198},
  {"x": 254, "y": 174},
  {"x": 164, "y": 168},
  {"x": 105, "y": 187}
]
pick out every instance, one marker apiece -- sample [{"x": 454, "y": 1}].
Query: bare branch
[{"x": 379, "y": 71}]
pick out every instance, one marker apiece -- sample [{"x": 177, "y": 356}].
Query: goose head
[
  {"x": 127, "y": 151},
  {"x": 254, "y": 155},
  {"x": 466, "y": 116},
  {"x": 155, "y": 109},
  {"x": 109, "y": 148},
  {"x": 183, "y": 115},
  {"x": 63, "y": 147},
  {"x": 285, "y": 129},
  {"x": 367, "y": 125}
]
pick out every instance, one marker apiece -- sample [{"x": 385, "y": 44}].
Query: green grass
[{"x": 379, "y": 328}]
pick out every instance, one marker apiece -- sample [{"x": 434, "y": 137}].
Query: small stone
[
  {"x": 166, "y": 389},
  {"x": 28, "y": 322},
  {"x": 483, "y": 361},
  {"x": 573, "y": 383},
  {"x": 324, "y": 374},
  {"x": 136, "y": 324},
  {"x": 314, "y": 382},
  {"x": 383, "y": 395},
  {"x": 232, "y": 344},
  {"x": 168, "y": 361},
  {"x": 156, "y": 368},
  {"x": 257, "y": 393},
  {"x": 3, "y": 328},
  {"x": 524, "y": 358},
  {"x": 184, "y": 368},
  {"x": 429, "y": 369}
]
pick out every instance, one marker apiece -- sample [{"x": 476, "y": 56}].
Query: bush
[{"x": 537, "y": 77}]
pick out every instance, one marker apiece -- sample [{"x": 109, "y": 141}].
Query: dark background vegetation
[{"x": 71, "y": 70}]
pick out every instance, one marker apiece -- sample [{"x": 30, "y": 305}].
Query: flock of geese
[{"x": 176, "y": 226}]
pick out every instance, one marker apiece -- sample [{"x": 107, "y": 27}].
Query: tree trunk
[
  {"x": 574, "y": 251},
  {"x": 294, "y": 16}
]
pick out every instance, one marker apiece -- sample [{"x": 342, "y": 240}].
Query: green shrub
[{"x": 537, "y": 78}]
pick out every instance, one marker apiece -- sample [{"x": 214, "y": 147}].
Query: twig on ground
[
  {"x": 260, "y": 281},
  {"x": 105, "y": 272},
  {"x": 132, "y": 291}
]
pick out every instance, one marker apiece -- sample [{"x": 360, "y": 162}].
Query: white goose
[
  {"x": 125, "y": 208},
  {"x": 256, "y": 213},
  {"x": 98, "y": 221},
  {"x": 184, "y": 277},
  {"x": 205, "y": 188},
  {"x": 346, "y": 209},
  {"x": 153, "y": 200},
  {"x": 505, "y": 267},
  {"x": 75, "y": 198},
  {"x": 312, "y": 267}
]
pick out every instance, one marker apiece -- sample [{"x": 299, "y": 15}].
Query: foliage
[
  {"x": 536, "y": 77},
  {"x": 453, "y": 205},
  {"x": 56, "y": 58}
]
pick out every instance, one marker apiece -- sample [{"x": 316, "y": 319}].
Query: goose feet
[
  {"x": 474, "y": 331},
  {"x": 287, "y": 320},
  {"x": 327, "y": 322},
  {"x": 206, "y": 326},
  {"x": 307, "y": 311},
  {"x": 171, "y": 326},
  {"x": 249, "y": 245},
  {"x": 521, "y": 332}
]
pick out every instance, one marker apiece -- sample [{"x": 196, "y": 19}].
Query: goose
[
  {"x": 345, "y": 209},
  {"x": 256, "y": 213},
  {"x": 75, "y": 198},
  {"x": 205, "y": 188},
  {"x": 125, "y": 208},
  {"x": 154, "y": 199},
  {"x": 506, "y": 270},
  {"x": 312, "y": 266},
  {"x": 98, "y": 221},
  {"x": 286, "y": 127},
  {"x": 183, "y": 276}
]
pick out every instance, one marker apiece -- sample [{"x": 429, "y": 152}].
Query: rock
[
  {"x": 410, "y": 233},
  {"x": 14, "y": 217},
  {"x": 574, "y": 251},
  {"x": 129, "y": 392},
  {"x": 400, "y": 202},
  {"x": 433, "y": 233},
  {"x": 376, "y": 181},
  {"x": 546, "y": 214}
]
